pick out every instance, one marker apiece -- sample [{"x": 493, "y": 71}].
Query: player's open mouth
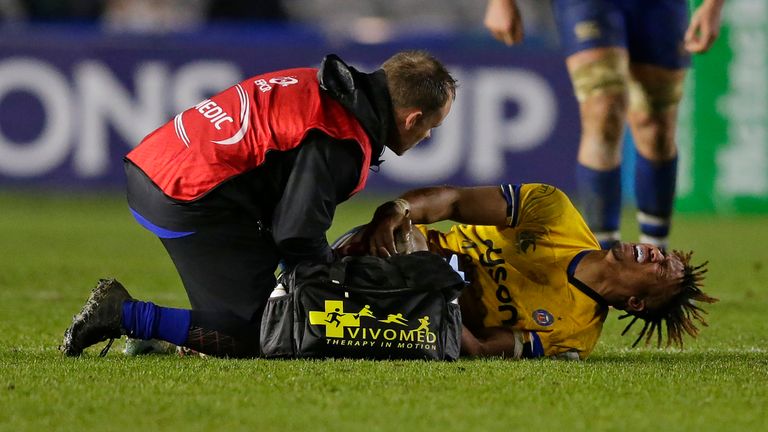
[{"x": 639, "y": 253}]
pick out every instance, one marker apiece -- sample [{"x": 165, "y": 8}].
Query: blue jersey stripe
[
  {"x": 512, "y": 197},
  {"x": 575, "y": 262},
  {"x": 537, "y": 348}
]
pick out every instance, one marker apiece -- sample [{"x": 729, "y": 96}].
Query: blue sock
[
  {"x": 599, "y": 194},
  {"x": 145, "y": 320},
  {"x": 655, "y": 190}
]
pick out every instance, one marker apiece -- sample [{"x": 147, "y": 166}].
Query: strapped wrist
[{"x": 403, "y": 207}]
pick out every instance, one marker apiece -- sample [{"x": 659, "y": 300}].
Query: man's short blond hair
[{"x": 418, "y": 80}]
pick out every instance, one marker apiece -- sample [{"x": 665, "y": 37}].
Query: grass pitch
[{"x": 53, "y": 249}]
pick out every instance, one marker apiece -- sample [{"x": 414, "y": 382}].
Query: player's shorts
[{"x": 652, "y": 31}]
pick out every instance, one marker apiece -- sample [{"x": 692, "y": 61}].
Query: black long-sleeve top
[{"x": 293, "y": 195}]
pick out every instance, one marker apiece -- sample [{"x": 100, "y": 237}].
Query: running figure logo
[{"x": 334, "y": 318}]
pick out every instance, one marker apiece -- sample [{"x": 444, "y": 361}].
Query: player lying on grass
[{"x": 539, "y": 283}]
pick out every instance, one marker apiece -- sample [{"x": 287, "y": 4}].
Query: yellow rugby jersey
[{"x": 524, "y": 271}]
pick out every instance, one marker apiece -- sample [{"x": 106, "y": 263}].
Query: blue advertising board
[{"x": 73, "y": 101}]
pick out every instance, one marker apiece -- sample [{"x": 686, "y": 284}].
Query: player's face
[
  {"x": 413, "y": 126},
  {"x": 647, "y": 272}
]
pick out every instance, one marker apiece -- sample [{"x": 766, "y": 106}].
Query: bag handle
[{"x": 337, "y": 274}]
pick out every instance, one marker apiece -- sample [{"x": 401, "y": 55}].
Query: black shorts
[
  {"x": 226, "y": 260},
  {"x": 652, "y": 31}
]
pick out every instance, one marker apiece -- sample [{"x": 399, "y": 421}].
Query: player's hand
[
  {"x": 388, "y": 219},
  {"x": 352, "y": 249},
  {"x": 502, "y": 19},
  {"x": 704, "y": 27}
]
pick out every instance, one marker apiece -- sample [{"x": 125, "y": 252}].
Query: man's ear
[
  {"x": 412, "y": 118},
  {"x": 635, "y": 304}
]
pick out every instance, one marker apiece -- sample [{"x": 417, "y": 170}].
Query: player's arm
[
  {"x": 484, "y": 205},
  {"x": 704, "y": 26},
  {"x": 477, "y": 206},
  {"x": 494, "y": 342},
  {"x": 503, "y": 20}
]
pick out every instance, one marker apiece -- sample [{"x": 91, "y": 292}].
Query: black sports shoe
[{"x": 99, "y": 320}]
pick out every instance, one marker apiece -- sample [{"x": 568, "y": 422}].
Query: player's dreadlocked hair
[{"x": 679, "y": 312}]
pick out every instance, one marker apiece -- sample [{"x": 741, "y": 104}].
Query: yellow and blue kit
[{"x": 522, "y": 273}]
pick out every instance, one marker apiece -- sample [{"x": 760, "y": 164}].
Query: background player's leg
[
  {"x": 655, "y": 94},
  {"x": 600, "y": 77},
  {"x": 655, "y": 33},
  {"x": 593, "y": 37}
]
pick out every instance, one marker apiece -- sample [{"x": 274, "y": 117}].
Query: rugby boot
[{"x": 99, "y": 320}]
